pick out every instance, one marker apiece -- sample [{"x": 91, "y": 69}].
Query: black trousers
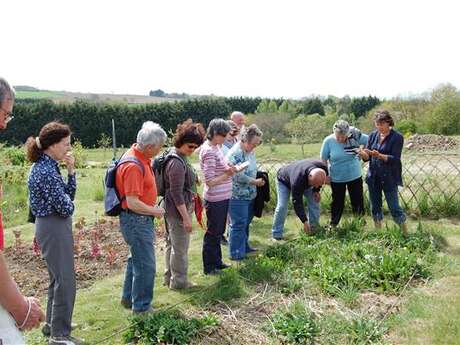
[
  {"x": 216, "y": 214},
  {"x": 355, "y": 190}
]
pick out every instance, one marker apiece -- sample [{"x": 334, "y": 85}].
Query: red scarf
[{"x": 198, "y": 210}]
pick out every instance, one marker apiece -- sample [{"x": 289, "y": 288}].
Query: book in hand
[{"x": 242, "y": 166}]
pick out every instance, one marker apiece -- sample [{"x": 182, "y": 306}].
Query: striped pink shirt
[{"x": 213, "y": 164}]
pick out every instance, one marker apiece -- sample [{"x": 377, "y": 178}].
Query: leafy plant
[
  {"x": 295, "y": 325},
  {"x": 167, "y": 327}
]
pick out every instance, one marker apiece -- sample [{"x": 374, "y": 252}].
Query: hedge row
[{"x": 90, "y": 120}]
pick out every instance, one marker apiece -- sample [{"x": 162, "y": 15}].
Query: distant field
[
  {"x": 64, "y": 96},
  {"x": 40, "y": 94}
]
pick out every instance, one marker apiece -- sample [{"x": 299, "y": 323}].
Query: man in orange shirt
[{"x": 138, "y": 191}]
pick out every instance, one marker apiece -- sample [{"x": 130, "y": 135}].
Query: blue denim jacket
[
  {"x": 48, "y": 193},
  {"x": 389, "y": 173}
]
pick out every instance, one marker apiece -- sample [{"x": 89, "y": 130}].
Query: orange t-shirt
[{"x": 131, "y": 182}]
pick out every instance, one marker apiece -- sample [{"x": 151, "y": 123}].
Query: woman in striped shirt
[{"x": 217, "y": 192}]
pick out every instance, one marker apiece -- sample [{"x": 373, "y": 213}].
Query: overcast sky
[{"x": 240, "y": 47}]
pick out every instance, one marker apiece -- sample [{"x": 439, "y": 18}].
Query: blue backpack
[{"x": 112, "y": 199}]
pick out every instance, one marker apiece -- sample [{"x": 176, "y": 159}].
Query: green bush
[
  {"x": 15, "y": 155},
  {"x": 166, "y": 327}
]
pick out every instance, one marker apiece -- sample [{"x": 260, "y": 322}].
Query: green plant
[
  {"x": 15, "y": 155},
  {"x": 228, "y": 288},
  {"x": 167, "y": 327},
  {"x": 79, "y": 154},
  {"x": 294, "y": 325}
]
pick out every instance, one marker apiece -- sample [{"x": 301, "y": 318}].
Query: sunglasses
[{"x": 192, "y": 146}]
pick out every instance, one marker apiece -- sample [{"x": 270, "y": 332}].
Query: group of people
[{"x": 231, "y": 183}]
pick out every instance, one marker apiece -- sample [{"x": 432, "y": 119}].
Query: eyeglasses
[
  {"x": 8, "y": 115},
  {"x": 192, "y": 146}
]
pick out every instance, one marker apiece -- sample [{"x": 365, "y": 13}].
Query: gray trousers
[
  {"x": 55, "y": 238},
  {"x": 176, "y": 256}
]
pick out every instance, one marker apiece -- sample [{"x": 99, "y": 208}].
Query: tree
[
  {"x": 312, "y": 106},
  {"x": 442, "y": 92},
  {"x": 157, "y": 93},
  {"x": 307, "y": 129},
  {"x": 445, "y": 118}
]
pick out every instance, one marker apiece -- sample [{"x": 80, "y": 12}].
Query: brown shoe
[{"x": 126, "y": 303}]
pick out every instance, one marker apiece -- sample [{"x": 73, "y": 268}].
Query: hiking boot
[
  {"x": 68, "y": 340},
  {"x": 46, "y": 329},
  {"x": 126, "y": 303},
  {"x": 222, "y": 266},
  {"x": 214, "y": 272},
  {"x": 143, "y": 312}
]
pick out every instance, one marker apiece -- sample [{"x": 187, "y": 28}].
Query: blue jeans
[
  {"x": 241, "y": 214},
  {"x": 391, "y": 195},
  {"x": 283, "y": 193},
  {"x": 139, "y": 233}
]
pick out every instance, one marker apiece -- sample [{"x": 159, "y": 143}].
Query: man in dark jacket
[{"x": 304, "y": 177}]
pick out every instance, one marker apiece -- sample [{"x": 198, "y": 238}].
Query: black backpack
[
  {"x": 159, "y": 165},
  {"x": 112, "y": 199}
]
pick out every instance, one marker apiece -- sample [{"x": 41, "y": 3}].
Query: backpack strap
[
  {"x": 131, "y": 160},
  {"x": 172, "y": 155}
]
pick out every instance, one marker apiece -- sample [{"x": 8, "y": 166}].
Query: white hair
[
  {"x": 236, "y": 114},
  {"x": 150, "y": 134}
]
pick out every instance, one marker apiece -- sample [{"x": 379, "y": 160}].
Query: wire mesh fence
[{"x": 431, "y": 184}]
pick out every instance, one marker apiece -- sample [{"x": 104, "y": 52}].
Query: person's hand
[
  {"x": 36, "y": 315},
  {"x": 69, "y": 161},
  {"x": 259, "y": 182},
  {"x": 306, "y": 228},
  {"x": 363, "y": 154},
  {"x": 317, "y": 196},
  {"x": 158, "y": 211},
  {"x": 374, "y": 153},
  {"x": 232, "y": 170},
  {"x": 188, "y": 224}
]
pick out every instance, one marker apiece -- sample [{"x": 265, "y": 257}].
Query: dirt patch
[
  {"x": 99, "y": 252},
  {"x": 432, "y": 142}
]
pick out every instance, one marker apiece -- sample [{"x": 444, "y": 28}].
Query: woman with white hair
[
  {"x": 341, "y": 150},
  {"x": 135, "y": 183}
]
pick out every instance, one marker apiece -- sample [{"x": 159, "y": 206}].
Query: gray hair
[
  {"x": 150, "y": 134},
  {"x": 341, "y": 127},
  {"x": 6, "y": 91},
  {"x": 217, "y": 127},
  {"x": 249, "y": 133},
  {"x": 236, "y": 114}
]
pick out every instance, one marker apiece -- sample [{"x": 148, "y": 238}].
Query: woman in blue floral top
[
  {"x": 51, "y": 203},
  {"x": 244, "y": 191}
]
